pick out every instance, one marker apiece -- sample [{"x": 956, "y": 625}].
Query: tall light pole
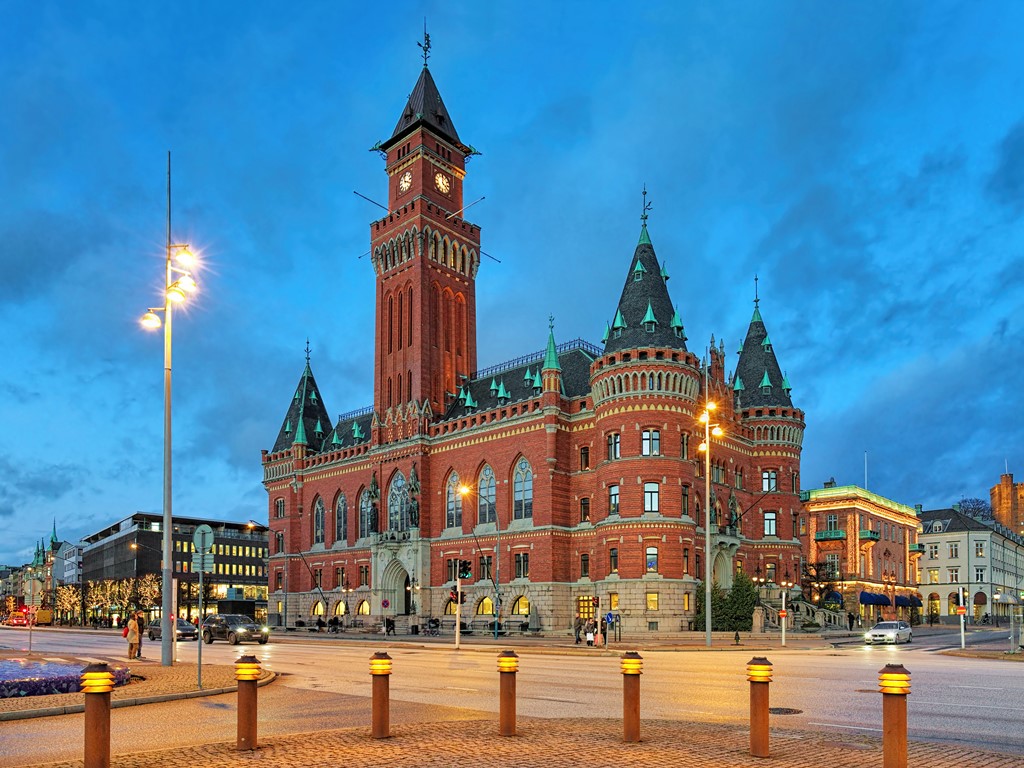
[
  {"x": 710, "y": 430},
  {"x": 178, "y": 283}
]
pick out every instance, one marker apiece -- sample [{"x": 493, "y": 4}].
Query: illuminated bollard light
[
  {"x": 894, "y": 683},
  {"x": 247, "y": 673},
  {"x": 508, "y": 665},
  {"x": 97, "y": 683},
  {"x": 759, "y": 673},
  {"x": 380, "y": 718},
  {"x": 632, "y": 662}
]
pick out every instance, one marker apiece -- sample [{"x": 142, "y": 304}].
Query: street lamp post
[
  {"x": 178, "y": 283},
  {"x": 709, "y": 431},
  {"x": 786, "y": 586}
]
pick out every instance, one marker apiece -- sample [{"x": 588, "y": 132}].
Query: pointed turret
[
  {"x": 645, "y": 315},
  {"x": 303, "y": 424},
  {"x": 757, "y": 363},
  {"x": 551, "y": 370},
  {"x": 53, "y": 534},
  {"x": 425, "y": 108}
]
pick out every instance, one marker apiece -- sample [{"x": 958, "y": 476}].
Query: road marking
[
  {"x": 977, "y": 687},
  {"x": 961, "y": 704},
  {"x": 848, "y": 727},
  {"x": 453, "y": 688}
]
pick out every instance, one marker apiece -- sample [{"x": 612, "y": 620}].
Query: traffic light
[
  {"x": 463, "y": 600},
  {"x": 465, "y": 569}
]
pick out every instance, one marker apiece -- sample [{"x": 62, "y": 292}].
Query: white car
[{"x": 894, "y": 632}]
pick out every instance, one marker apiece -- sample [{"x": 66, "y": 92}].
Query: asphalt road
[{"x": 327, "y": 684}]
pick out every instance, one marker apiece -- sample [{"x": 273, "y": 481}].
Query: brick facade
[{"x": 552, "y": 434}]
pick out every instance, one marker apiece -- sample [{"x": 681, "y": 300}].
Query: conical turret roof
[
  {"x": 645, "y": 316},
  {"x": 425, "y": 108},
  {"x": 763, "y": 383},
  {"x": 305, "y": 412}
]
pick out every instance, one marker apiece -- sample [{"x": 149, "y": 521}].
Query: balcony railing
[
  {"x": 829, "y": 535},
  {"x": 869, "y": 535},
  {"x": 917, "y": 548}
]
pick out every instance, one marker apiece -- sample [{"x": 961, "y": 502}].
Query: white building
[{"x": 962, "y": 552}]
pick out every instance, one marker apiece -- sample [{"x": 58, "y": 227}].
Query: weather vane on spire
[
  {"x": 551, "y": 322},
  {"x": 307, "y": 349},
  {"x": 425, "y": 45},
  {"x": 647, "y": 207},
  {"x": 756, "y": 300}
]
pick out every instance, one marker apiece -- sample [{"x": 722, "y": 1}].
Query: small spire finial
[
  {"x": 425, "y": 45},
  {"x": 646, "y": 208},
  {"x": 756, "y": 299},
  {"x": 307, "y": 350},
  {"x": 551, "y": 322}
]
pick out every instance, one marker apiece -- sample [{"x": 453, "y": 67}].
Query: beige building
[
  {"x": 861, "y": 552},
  {"x": 1007, "y": 500}
]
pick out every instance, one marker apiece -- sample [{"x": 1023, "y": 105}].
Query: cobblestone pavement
[{"x": 560, "y": 743}]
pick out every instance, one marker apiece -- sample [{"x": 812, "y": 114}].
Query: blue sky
[{"x": 865, "y": 160}]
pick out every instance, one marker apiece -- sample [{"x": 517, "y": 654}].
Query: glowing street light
[
  {"x": 710, "y": 430},
  {"x": 178, "y": 284}
]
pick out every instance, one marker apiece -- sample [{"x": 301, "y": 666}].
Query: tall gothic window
[
  {"x": 522, "y": 490},
  {"x": 453, "y": 505},
  {"x": 341, "y": 519},
  {"x": 365, "y": 514},
  {"x": 319, "y": 513},
  {"x": 486, "y": 496},
  {"x": 398, "y": 505}
]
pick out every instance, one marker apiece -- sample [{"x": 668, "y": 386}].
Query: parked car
[
  {"x": 17, "y": 620},
  {"x": 234, "y": 628},
  {"x": 184, "y": 629},
  {"x": 894, "y": 632}
]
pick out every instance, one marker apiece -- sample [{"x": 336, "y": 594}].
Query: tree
[
  {"x": 978, "y": 508},
  {"x": 731, "y": 611},
  {"x": 148, "y": 590},
  {"x": 68, "y": 599}
]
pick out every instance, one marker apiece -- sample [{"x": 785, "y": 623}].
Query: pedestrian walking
[
  {"x": 133, "y": 638},
  {"x": 577, "y": 627},
  {"x": 141, "y": 621},
  {"x": 849, "y": 620}
]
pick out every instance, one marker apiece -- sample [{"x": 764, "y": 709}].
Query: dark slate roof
[
  {"x": 352, "y": 429},
  {"x": 951, "y": 521},
  {"x": 425, "y": 108},
  {"x": 306, "y": 409},
  {"x": 651, "y": 291},
  {"x": 574, "y": 358},
  {"x": 757, "y": 359}
]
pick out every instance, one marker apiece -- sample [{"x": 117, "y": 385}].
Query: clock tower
[{"x": 426, "y": 258}]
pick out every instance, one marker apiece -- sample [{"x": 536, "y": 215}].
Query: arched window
[
  {"x": 485, "y": 496},
  {"x": 317, "y": 609},
  {"x": 364, "y": 608},
  {"x": 319, "y": 513},
  {"x": 453, "y": 503},
  {"x": 365, "y": 514},
  {"x": 522, "y": 490},
  {"x": 485, "y": 607},
  {"x": 398, "y": 505},
  {"x": 449, "y": 608},
  {"x": 341, "y": 519},
  {"x": 521, "y": 607},
  {"x": 340, "y": 609}
]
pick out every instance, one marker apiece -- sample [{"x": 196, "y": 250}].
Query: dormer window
[{"x": 766, "y": 384}]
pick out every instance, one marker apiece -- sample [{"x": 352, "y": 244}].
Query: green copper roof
[
  {"x": 766, "y": 343},
  {"x": 551, "y": 355},
  {"x": 288, "y": 427},
  {"x": 738, "y": 386},
  {"x": 664, "y": 272},
  {"x": 538, "y": 383},
  {"x": 785, "y": 383},
  {"x": 757, "y": 316},
  {"x": 607, "y": 332},
  {"x": 470, "y": 402},
  {"x": 645, "y": 239},
  {"x": 619, "y": 322},
  {"x": 502, "y": 391},
  {"x": 677, "y": 322},
  {"x": 765, "y": 381},
  {"x": 528, "y": 376},
  {"x": 639, "y": 269},
  {"x": 300, "y": 434},
  {"x": 53, "y": 536},
  {"x": 335, "y": 440},
  {"x": 319, "y": 428},
  {"x": 357, "y": 431},
  {"x": 494, "y": 385},
  {"x": 649, "y": 317}
]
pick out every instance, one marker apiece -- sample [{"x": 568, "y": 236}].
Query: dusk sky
[{"x": 864, "y": 159}]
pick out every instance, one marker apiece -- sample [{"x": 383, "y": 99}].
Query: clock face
[
  {"x": 442, "y": 182},
  {"x": 405, "y": 181}
]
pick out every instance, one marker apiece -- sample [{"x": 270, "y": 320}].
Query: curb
[{"x": 26, "y": 714}]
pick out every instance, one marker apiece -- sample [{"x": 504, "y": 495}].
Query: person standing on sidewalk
[
  {"x": 577, "y": 627},
  {"x": 133, "y": 637},
  {"x": 141, "y": 621}
]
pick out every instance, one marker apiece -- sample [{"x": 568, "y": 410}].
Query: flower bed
[{"x": 40, "y": 678}]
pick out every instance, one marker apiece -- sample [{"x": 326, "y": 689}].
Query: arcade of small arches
[
  {"x": 946, "y": 606},
  {"x": 680, "y": 384},
  {"x": 442, "y": 249}
]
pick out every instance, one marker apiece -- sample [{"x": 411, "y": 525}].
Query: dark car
[
  {"x": 234, "y": 628},
  {"x": 185, "y": 630}
]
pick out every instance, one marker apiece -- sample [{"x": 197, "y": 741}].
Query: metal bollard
[
  {"x": 508, "y": 665},
  {"x": 759, "y": 673},
  {"x": 380, "y": 718},
  {"x": 631, "y": 662},
  {"x": 97, "y": 683},
  {"x": 894, "y": 683},
  {"x": 247, "y": 673}
]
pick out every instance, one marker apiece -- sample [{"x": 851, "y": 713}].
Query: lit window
[
  {"x": 769, "y": 480},
  {"x": 614, "y": 446},
  {"x": 650, "y": 443},
  {"x": 652, "y": 601},
  {"x": 453, "y": 507},
  {"x": 613, "y": 560},
  {"x": 613, "y": 499},
  {"x": 652, "y": 560}
]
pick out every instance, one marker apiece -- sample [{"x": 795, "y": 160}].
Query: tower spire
[{"x": 425, "y": 45}]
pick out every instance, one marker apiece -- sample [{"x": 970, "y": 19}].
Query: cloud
[{"x": 1006, "y": 182}]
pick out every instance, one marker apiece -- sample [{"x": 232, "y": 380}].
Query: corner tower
[{"x": 426, "y": 259}]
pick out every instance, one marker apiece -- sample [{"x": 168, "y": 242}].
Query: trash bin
[{"x": 414, "y": 629}]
